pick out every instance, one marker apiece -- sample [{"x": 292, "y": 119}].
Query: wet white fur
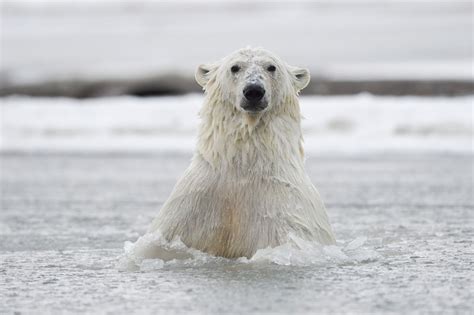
[{"x": 246, "y": 187}]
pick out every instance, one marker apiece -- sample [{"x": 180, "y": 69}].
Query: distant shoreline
[
  {"x": 87, "y": 48},
  {"x": 178, "y": 85}
]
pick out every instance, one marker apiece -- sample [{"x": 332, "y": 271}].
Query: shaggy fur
[{"x": 246, "y": 187}]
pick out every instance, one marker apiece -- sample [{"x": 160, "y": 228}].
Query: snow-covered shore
[{"x": 344, "y": 124}]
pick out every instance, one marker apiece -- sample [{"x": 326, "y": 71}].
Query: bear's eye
[
  {"x": 235, "y": 69},
  {"x": 271, "y": 68}
]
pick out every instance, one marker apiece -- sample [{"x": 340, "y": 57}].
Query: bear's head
[{"x": 253, "y": 80}]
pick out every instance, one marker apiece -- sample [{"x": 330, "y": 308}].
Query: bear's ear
[
  {"x": 301, "y": 77},
  {"x": 203, "y": 73}
]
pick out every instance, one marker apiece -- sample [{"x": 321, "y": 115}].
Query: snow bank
[{"x": 349, "y": 124}]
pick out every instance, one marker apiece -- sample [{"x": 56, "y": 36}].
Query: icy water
[{"x": 403, "y": 222}]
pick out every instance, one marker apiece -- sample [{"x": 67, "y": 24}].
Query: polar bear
[{"x": 246, "y": 187}]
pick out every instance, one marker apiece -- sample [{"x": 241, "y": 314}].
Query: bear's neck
[{"x": 267, "y": 143}]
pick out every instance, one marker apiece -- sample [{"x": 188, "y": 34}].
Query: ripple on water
[{"x": 152, "y": 251}]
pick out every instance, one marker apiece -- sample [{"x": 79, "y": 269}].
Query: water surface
[{"x": 65, "y": 218}]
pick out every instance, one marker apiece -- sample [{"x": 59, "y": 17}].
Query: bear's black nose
[{"x": 254, "y": 92}]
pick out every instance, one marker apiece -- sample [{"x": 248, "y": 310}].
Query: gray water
[{"x": 65, "y": 217}]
